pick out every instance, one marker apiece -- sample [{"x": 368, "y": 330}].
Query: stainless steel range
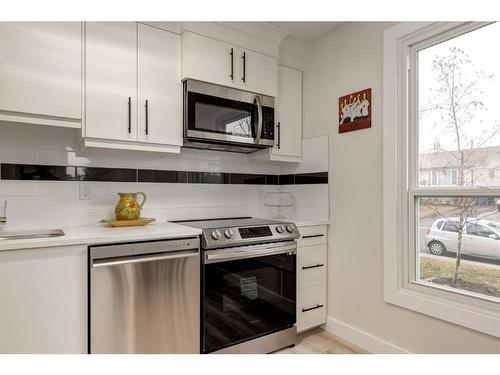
[{"x": 248, "y": 284}]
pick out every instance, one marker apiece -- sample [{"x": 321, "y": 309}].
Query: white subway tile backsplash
[
  {"x": 21, "y": 204},
  {"x": 96, "y": 189},
  {"x": 102, "y": 202},
  {"x": 18, "y": 188},
  {"x": 56, "y": 204},
  {"x": 56, "y": 188},
  {"x": 18, "y": 220},
  {"x": 312, "y": 165},
  {"x": 18, "y": 155}
]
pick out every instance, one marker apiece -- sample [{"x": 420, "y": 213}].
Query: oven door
[
  {"x": 249, "y": 291},
  {"x": 220, "y": 114}
]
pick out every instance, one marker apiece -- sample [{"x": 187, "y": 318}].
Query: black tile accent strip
[
  {"x": 147, "y": 175},
  {"x": 250, "y": 179},
  {"x": 286, "y": 179},
  {"x": 69, "y": 173},
  {"x": 106, "y": 174},
  {"x": 37, "y": 172},
  {"x": 272, "y": 179},
  {"x": 311, "y": 178},
  {"x": 208, "y": 178}
]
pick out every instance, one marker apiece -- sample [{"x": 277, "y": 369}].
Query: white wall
[{"x": 348, "y": 60}]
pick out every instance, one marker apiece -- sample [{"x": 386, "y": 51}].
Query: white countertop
[
  {"x": 103, "y": 234},
  {"x": 302, "y": 222},
  {"x": 309, "y": 223}
]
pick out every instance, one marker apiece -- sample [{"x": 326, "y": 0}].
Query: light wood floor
[{"x": 319, "y": 341}]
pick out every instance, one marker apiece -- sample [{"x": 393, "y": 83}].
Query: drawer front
[
  {"x": 311, "y": 266},
  {"x": 311, "y": 276},
  {"x": 311, "y": 255},
  {"x": 311, "y": 307},
  {"x": 312, "y": 235}
]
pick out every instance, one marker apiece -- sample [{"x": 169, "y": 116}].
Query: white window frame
[{"x": 399, "y": 178}]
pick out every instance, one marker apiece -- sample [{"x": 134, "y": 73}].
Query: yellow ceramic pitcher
[{"x": 127, "y": 207}]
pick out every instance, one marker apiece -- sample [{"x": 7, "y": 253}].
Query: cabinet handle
[
  {"x": 279, "y": 135},
  {"x": 232, "y": 64},
  {"x": 244, "y": 67},
  {"x": 315, "y": 266},
  {"x": 313, "y": 308},
  {"x": 313, "y": 236},
  {"x": 147, "y": 110},
  {"x": 129, "y": 115}
]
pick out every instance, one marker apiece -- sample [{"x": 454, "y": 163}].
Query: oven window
[{"x": 248, "y": 298}]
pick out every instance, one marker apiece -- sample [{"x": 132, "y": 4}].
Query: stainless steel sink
[{"x": 27, "y": 234}]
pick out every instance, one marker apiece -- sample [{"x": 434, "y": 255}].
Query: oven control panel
[
  {"x": 240, "y": 236},
  {"x": 253, "y": 232}
]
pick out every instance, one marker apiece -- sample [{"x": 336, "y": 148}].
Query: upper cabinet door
[
  {"x": 111, "y": 80},
  {"x": 159, "y": 86},
  {"x": 209, "y": 60},
  {"x": 41, "y": 72},
  {"x": 289, "y": 113},
  {"x": 257, "y": 73}
]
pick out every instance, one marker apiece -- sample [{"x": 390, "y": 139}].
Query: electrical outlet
[{"x": 84, "y": 192}]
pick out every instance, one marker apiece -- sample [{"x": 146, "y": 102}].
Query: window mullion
[{"x": 455, "y": 192}]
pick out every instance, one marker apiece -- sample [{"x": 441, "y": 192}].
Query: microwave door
[{"x": 221, "y": 119}]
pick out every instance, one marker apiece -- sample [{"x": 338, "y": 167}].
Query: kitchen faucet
[{"x": 3, "y": 219}]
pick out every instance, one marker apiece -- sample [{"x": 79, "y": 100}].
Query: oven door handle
[
  {"x": 245, "y": 252},
  {"x": 258, "y": 133}
]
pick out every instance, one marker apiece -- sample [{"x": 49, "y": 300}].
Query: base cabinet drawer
[
  {"x": 311, "y": 307},
  {"x": 314, "y": 235},
  {"x": 308, "y": 277},
  {"x": 311, "y": 266}
]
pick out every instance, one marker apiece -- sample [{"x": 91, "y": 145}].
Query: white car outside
[{"x": 480, "y": 238}]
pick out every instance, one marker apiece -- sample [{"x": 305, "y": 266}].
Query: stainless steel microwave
[{"x": 226, "y": 119}]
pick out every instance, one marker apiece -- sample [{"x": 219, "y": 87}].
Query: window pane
[
  {"x": 459, "y": 115},
  {"x": 471, "y": 232}
]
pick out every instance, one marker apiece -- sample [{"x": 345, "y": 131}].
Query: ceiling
[{"x": 307, "y": 32}]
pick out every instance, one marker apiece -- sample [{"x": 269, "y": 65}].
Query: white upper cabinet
[
  {"x": 133, "y": 87},
  {"x": 41, "y": 72},
  {"x": 111, "y": 80},
  {"x": 159, "y": 86},
  {"x": 257, "y": 73},
  {"x": 287, "y": 118},
  {"x": 209, "y": 60},
  {"x": 289, "y": 114}
]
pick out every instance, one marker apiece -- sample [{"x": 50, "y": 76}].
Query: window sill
[{"x": 479, "y": 319}]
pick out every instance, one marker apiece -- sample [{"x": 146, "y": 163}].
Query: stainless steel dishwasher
[{"x": 145, "y": 297}]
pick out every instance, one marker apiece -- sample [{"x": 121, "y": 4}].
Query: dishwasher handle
[{"x": 106, "y": 262}]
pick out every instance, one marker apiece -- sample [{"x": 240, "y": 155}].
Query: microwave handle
[{"x": 259, "y": 122}]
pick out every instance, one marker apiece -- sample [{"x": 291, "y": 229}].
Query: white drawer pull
[
  {"x": 315, "y": 266},
  {"x": 313, "y": 308},
  {"x": 313, "y": 236}
]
